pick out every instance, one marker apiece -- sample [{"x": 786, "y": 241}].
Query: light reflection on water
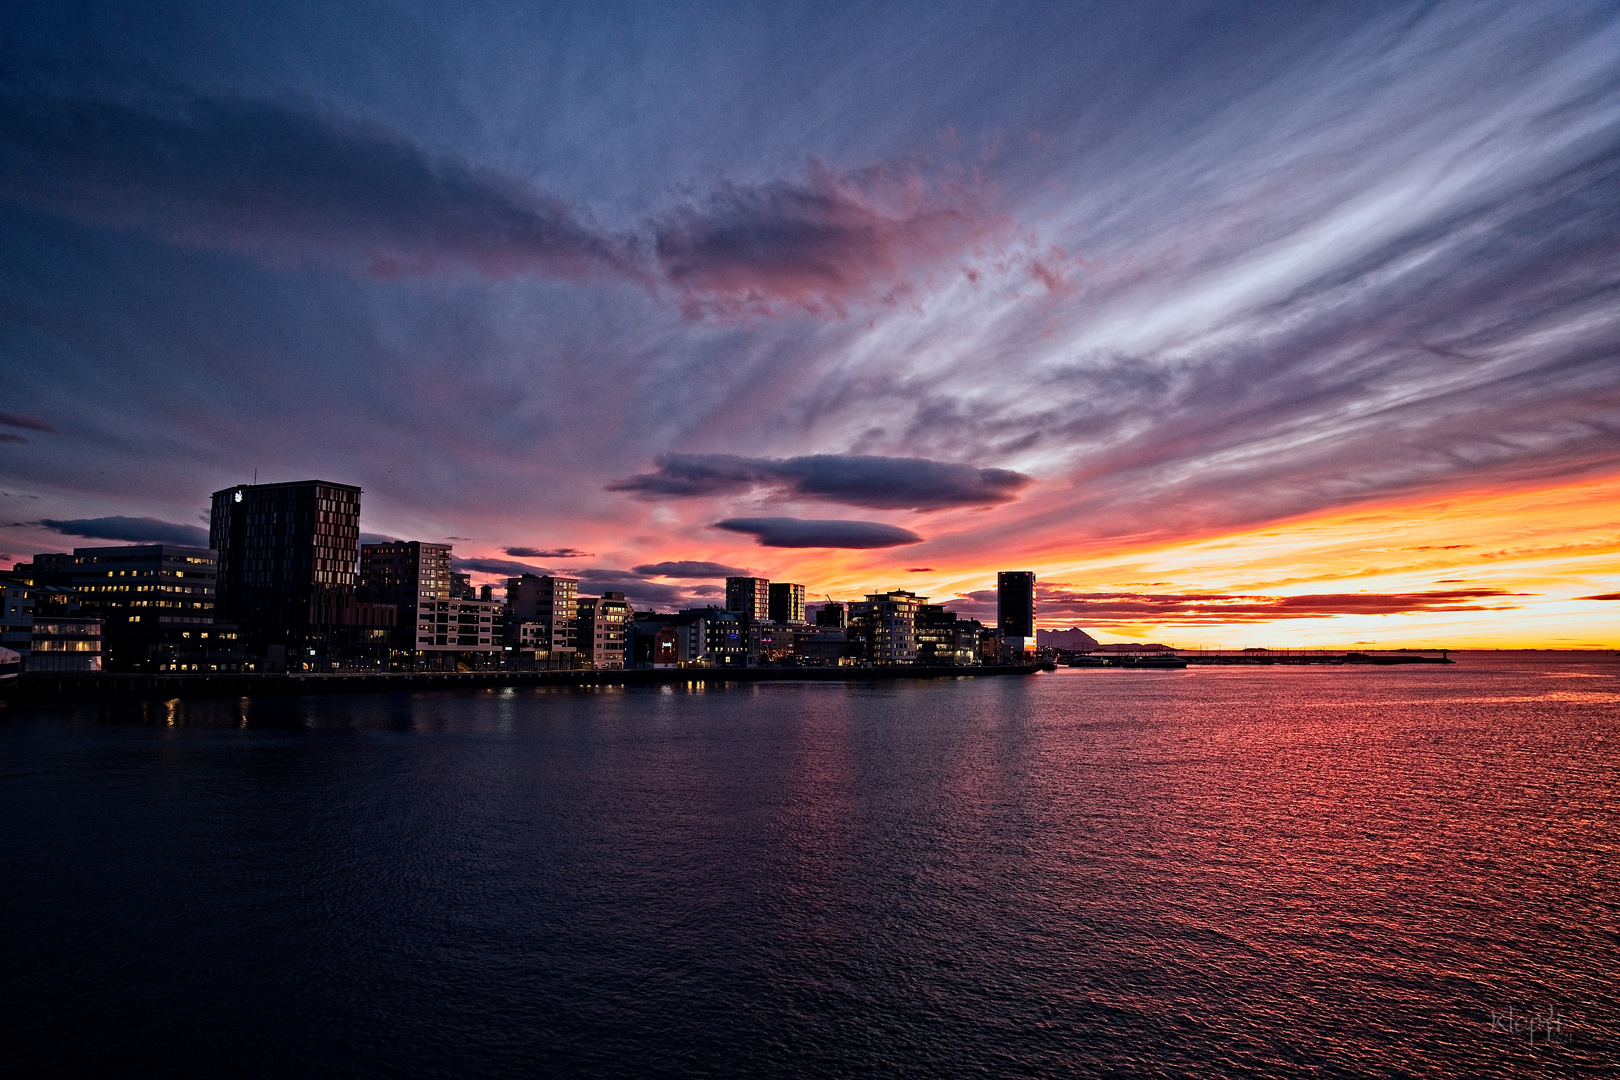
[{"x": 1268, "y": 872}]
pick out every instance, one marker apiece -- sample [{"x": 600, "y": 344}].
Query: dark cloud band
[
  {"x": 879, "y": 483},
  {"x": 133, "y": 530},
  {"x": 27, "y": 422},
  {"x": 786, "y": 532},
  {"x": 263, "y": 177},
  {"x": 685, "y": 568}
]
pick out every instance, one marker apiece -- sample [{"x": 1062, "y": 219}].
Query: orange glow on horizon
[{"x": 1492, "y": 568}]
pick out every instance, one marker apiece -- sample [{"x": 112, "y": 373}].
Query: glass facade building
[{"x": 289, "y": 560}]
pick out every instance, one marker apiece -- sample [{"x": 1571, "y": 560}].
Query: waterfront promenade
[{"x": 43, "y": 686}]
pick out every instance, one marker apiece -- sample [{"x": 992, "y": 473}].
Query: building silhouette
[
  {"x": 786, "y": 603},
  {"x": 1015, "y": 610},
  {"x": 289, "y": 561}
]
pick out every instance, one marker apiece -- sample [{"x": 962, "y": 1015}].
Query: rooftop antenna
[{"x": 255, "y": 476}]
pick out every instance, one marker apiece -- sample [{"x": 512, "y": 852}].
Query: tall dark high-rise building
[
  {"x": 289, "y": 557},
  {"x": 786, "y": 602},
  {"x": 1015, "y": 606},
  {"x": 751, "y": 596}
]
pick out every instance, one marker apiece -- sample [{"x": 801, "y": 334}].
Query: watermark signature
[{"x": 1549, "y": 1028}]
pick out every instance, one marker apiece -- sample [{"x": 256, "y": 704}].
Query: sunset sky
[{"x": 1261, "y": 324}]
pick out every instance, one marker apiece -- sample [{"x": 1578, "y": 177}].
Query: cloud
[
  {"x": 547, "y": 553},
  {"x": 919, "y": 569},
  {"x": 1601, "y": 596},
  {"x": 134, "y": 530},
  {"x": 1109, "y": 608},
  {"x": 277, "y": 179},
  {"x": 801, "y": 533},
  {"x": 500, "y": 567},
  {"x": 26, "y": 421},
  {"x": 377, "y": 538},
  {"x": 8, "y": 437},
  {"x": 880, "y": 483},
  {"x": 688, "y": 569},
  {"x": 816, "y": 244},
  {"x": 273, "y": 179}
]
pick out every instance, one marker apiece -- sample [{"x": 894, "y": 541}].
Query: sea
[{"x": 1221, "y": 871}]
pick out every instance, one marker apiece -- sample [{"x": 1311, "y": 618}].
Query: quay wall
[{"x": 44, "y": 686}]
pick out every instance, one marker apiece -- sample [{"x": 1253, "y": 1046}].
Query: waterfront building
[
  {"x": 46, "y": 627},
  {"x": 1015, "y": 612},
  {"x": 724, "y": 637},
  {"x": 679, "y": 640},
  {"x": 885, "y": 624},
  {"x": 461, "y": 587},
  {"x": 944, "y": 638},
  {"x": 749, "y": 596},
  {"x": 770, "y": 643},
  {"x": 415, "y": 578},
  {"x": 289, "y": 559},
  {"x": 48, "y": 568},
  {"x": 463, "y": 633},
  {"x": 653, "y": 641},
  {"x": 832, "y": 614},
  {"x": 156, "y": 602},
  {"x": 786, "y": 604},
  {"x": 551, "y": 603},
  {"x": 603, "y": 621},
  {"x": 825, "y": 647}
]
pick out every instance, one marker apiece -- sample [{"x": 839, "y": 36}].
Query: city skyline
[{"x": 1236, "y": 327}]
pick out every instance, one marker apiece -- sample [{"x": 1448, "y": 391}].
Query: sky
[{"x": 1240, "y": 324}]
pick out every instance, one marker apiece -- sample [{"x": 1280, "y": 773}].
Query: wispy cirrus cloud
[
  {"x": 546, "y": 553},
  {"x": 1108, "y": 608},
  {"x": 879, "y": 483},
  {"x": 788, "y": 532}
]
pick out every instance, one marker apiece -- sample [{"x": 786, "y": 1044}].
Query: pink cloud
[{"x": 820, "y": 244}]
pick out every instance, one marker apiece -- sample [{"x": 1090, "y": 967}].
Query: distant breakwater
[
  {"x": 1373, "y": 659},
  {"x": 44, "y": 686}
]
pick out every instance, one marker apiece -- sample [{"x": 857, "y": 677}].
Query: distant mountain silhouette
[{"x": 1067, "y": 640}]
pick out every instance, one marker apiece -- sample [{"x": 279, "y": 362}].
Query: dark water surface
[{"x": 1273, "y": 872}]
